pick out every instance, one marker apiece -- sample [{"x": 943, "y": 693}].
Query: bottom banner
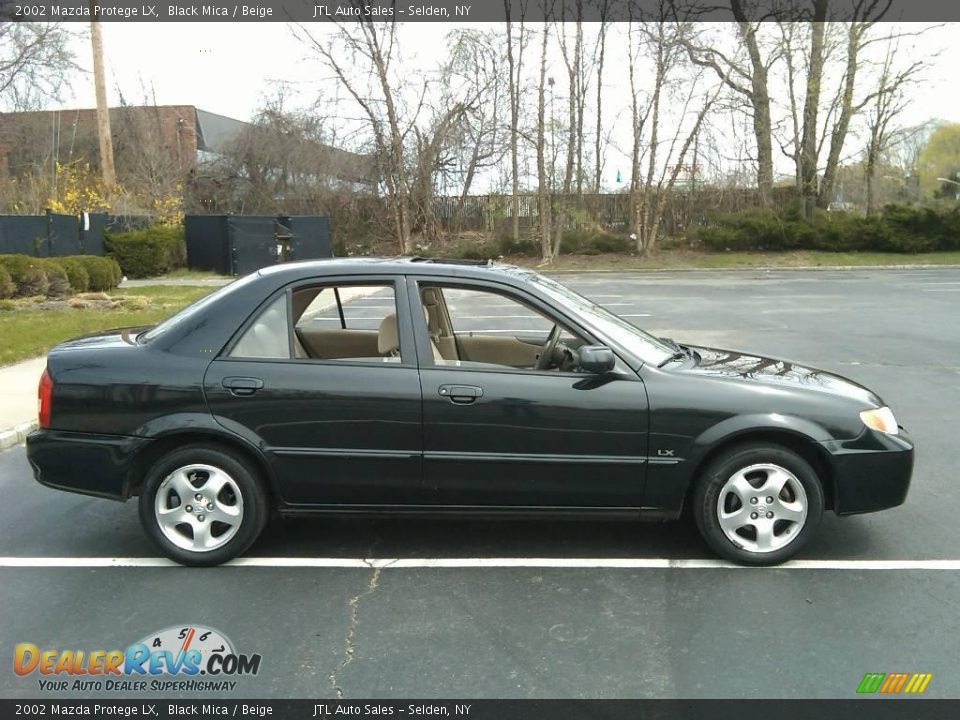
[{"x": 873, "y": 709}]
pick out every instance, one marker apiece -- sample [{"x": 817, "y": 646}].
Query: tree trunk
[
  {"x": 543, "y": 195},
  {"x": 760, "y": 102},
  {"x": 598, "y": 150},
  {"x": 514, "y": 69},
  {"x": 808, "y": 150},
  {"x": 839, "y": 134}
]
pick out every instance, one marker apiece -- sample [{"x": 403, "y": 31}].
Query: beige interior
[
  {"x": 336, "y": 343},
  {"x": 497, "y": 350}
]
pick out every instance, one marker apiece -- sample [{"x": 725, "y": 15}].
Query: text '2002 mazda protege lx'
[{"x": 410, "y": 385}]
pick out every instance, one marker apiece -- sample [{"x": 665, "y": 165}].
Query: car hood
[{"x": 747, "y": 367}]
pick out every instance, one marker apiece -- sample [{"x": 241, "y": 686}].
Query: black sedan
[{"x": 411, "y": 386}]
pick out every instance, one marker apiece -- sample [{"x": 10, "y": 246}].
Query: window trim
[
  {"x": 405, "y": 332},
  {"x": 422, "y": 334}
]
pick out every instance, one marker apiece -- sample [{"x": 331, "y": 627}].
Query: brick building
[{"x": 185, "y": 137}]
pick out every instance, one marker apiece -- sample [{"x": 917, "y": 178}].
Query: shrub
[
  {"x": 58, "y": 284},
  {"x": 594, "y": 242},
  {"x": 104, "y": 273},
  {"x": 900, "y": 229},
  {"x": 7, "y": 288},
  {"x": 27, "y": 274},
  {"x": 152, "y": 251},
  {"x": 77, "y": 273},
  {"x": 529, "y": 246}
]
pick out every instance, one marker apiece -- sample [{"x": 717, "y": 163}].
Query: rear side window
[{"x": 268, "y": 336}]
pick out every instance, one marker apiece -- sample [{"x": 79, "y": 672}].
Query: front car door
[
  {"x": 323, "y": 378},
  {"x": 500, "y": 433}
]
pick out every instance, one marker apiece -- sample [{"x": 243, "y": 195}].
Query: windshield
[
  {"x": 643, "y": 345},
  {"x": 190, "y": 310}
]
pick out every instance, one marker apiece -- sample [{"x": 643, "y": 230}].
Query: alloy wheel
[{"x": 762, "y": 508}]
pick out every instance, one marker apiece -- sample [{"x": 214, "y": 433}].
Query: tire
[
  {"x": 230, "y": 515},
  {"x": 742, "y": 514}
]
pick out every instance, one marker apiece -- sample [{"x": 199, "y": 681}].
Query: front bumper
[
  {"x": 85, "y": 463},
  {"x": 871, "y": 472}
]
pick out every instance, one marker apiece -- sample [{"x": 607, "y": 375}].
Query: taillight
[{"x": 45, "y": 399}]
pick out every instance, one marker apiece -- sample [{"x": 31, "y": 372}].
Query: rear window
[{"x": 193, "y": 309}]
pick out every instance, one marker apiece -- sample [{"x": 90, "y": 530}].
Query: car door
[
  {"x": 500, "y": 434},
  {"x": 341, "y": 424}
]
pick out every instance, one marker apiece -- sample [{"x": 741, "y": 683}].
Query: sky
[{"x": 228, "y": 68}]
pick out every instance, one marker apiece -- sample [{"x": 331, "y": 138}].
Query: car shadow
[{"x": 459, "y": 538}]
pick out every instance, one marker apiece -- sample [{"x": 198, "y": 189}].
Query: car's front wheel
[
  {"x": 758, "y": 504},
  {"x": 202, "y": 505}
]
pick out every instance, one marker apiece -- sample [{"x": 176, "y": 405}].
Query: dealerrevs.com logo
[{"x": 183, "y": 658}]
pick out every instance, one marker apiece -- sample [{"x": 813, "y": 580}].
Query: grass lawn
[
  {"x": 29, "y": 327},
  {"x": 685, "y": 259}
]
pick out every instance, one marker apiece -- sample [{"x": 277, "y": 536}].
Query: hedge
[
  {"x": 7, "y": 288},
  {"x": 25, "y": 276},
  {"x": 899, "y": 229},
  {"x": 104, "y": 273},
  {"x": 152, "y": 251},
  {"x": 77, "y": 273},
  {"x": 58, "y": 284}
]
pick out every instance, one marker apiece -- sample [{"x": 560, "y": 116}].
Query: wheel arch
[
  {"x": 791, "y": 438},
  {"x": 169, "y": 441}
]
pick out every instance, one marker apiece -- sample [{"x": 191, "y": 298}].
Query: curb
[{"x": 16, "y": 434}]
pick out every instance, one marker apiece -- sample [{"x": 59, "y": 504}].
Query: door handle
[
  {"x": 242, "y": 386},
  {"x": 460, "y": 394}
]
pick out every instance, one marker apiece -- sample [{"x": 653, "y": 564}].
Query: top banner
[{"x": 467, "y": 11}]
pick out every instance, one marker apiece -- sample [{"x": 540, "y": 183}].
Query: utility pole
[{"x": 103, "y": 111}]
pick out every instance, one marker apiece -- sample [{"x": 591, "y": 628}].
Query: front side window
[{"x": 485, "y": 329}]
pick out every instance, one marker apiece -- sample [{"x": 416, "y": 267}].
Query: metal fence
[
  {"x": 610, "y": 211},
  {"x": 240, "y": 244},
  {"x": 53, "y": 234}
]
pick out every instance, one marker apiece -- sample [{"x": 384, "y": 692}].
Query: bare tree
[
  {"x": 544, "y": 203},
  {"x": 35, "y": 61},
  {"x": 599, "y": 54},
  {"x": 478, "y": 60},
  {"x": 809, "y": 150},
  {"x": 748, "y": 78},
  {"x": 374, "y": 45},
  {"x": 866, "y": 13},
  {"x": 889, "y": 101},
  {"x": 663, "y": 45},
  {"x": 515, "y": 64}
]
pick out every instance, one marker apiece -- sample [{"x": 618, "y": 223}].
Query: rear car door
[
  {"x": 499, "y": 433},
  {"x": 323, "y": 378}
]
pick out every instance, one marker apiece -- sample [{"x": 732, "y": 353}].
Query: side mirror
[{"x": 597, "y": 359}]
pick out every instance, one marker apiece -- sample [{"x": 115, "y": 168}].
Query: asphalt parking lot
[{"x": 632, "y": 614}]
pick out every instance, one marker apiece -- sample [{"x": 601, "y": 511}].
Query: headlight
[{"x": 880, "y": 419}]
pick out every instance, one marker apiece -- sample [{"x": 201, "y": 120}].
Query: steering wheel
[{"x": 546, "y": 354}]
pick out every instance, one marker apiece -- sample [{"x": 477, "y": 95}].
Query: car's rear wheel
[
  {"x": 758, "y": 504},
  {"x": 202, "y": 505}
]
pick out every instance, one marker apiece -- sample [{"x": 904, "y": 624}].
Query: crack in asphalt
[{"x": 349, "y": 646}]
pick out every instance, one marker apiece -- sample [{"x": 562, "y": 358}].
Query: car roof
[{"x": 451, "y": 267}]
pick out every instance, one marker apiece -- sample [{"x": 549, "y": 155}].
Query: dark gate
[
  {"x": 241, "y": 244},
  {"x": 23, "y": 234},
  {"x": 309, "y": 237},
  {"x": 253, "y": 242},
  {"x": 63, "y": 235},
  {"x": 208, "y": 243},
  {"x": 52, "y": 235}
]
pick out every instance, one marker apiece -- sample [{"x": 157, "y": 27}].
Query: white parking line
[{"x": 572, "y": 563}]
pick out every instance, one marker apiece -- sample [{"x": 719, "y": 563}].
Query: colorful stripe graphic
[{"x": 894, "y": 683}]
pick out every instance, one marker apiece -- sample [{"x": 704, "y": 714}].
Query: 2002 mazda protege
[{"x": 412, "y": 386}]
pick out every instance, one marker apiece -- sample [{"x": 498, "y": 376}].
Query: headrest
[{"x": 388, "y": 337}]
